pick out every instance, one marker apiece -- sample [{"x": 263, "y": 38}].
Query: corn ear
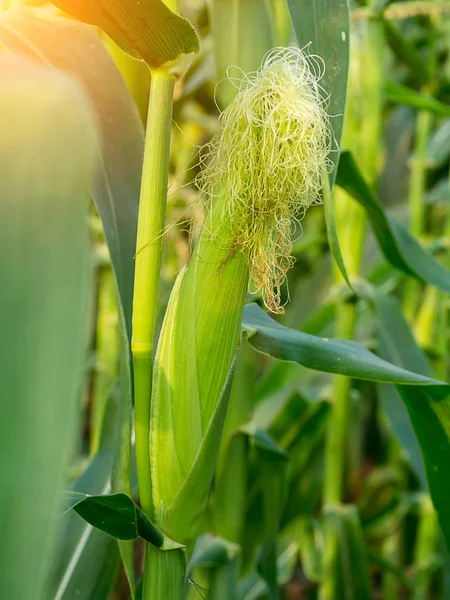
[
  {"x": 195, "y": 354},
  {"x": 265, "y": 169}
]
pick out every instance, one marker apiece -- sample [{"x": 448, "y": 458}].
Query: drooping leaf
[
  {"x": 400, "y": 94},
  {"x": 325, "y": 25},
  {"x": 427, "y": 400},
  {"x": 322, "y": 354},
  {"x": 147, "y": 29},
  {"x": 398, "y": 345},
  {"x": 45, "y": 277},
  {"x": 397, "y": 245},
  {"x": 118, "y": 516},
  {"x": 332, "y": 231},
  {"x": 406, "y": 52}
]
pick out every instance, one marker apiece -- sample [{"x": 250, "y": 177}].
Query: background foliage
[{"x": 332, "y": 479}]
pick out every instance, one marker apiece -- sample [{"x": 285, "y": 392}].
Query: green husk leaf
[
  {"x": 148, "y": 29},
  {"x": 191, "y": 383}
]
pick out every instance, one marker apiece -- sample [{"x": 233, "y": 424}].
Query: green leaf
[
  {"x": 118, "y": 516},
  {"x": 345, "y": 561},
  {"x": 427, "y": 400},
  {"x": 332, "y": 231},
  {"x": 398, "y": 344},
  {"x": 322, "y": 354},
  {"x": 325, "y": 24},
  {"x": 147, "y": 29},
  {"x": 262, "y": 440},
  {"x": 438, "y": 148},
  {"x": 230, "y": 489},
  {"x": 212, "y": 552},
  {"x": 45, "y": 278},
  {"x": 429, "y": 411},
  {"x": 76, "y": 49},
  {"x": 397, "y": 245},
  {"x": 242, "y": 33},
  {"x": 86, "y": 561},
  {"x": 406, "y": 52},
  {"x": 400, "y": 94}
]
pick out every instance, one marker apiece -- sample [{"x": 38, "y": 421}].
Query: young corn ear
[{"x": 265, "y": 170}]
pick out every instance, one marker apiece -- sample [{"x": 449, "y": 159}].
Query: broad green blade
[
  {"x": 324, "y": 24},
  {"x": 323, "y": 354},
  {"x": 75, "y": 48},
  {"x": 243, "y": 33},
  {"x": 145, "y": 29},
  {"x": 44, "y": 273},
  {"x": 397, "y": 245}
]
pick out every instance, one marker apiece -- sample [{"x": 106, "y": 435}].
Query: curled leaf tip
[{"x": 269, "y": 161}]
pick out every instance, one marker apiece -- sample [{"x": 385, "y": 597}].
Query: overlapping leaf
[
  {"x": 397, "y": 245},
  {"x": 427, "y": 400},
  {"x": 323, "y": 26},
  {"x": 146, "y": 29},
  {"x": 45, "y": 277}
]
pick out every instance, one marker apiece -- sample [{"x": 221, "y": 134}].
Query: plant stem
[
  {"x": 337, "y": 438},
  {"x": 427, "y": 539},
  {"x": 164, "y": 573},
  {"x": 107, "y": 352},
  {"x": 362, "y": 132},
  {"x": 416, "y": 202},
  {"x": 418, "y": 173},
  {"x": 152, "y": 211}
]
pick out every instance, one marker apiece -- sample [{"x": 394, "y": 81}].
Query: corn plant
[{"x": 225, "y": 376}]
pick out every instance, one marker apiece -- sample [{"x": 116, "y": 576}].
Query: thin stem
[
  {"x": 427, "y": 539},
  {"x": 337, "y": 438},
  {"x": 416, "y": 202},
  {"x": 152, "y": 211},
  {"x": 418, "y": 173},
  {"x": 107, "y": 352}
]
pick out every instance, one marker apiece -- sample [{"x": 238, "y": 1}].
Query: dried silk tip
[{"x": 269, "y": 161}]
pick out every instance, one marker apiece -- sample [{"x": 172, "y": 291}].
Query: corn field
[{"x": 224, "y": 303}]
